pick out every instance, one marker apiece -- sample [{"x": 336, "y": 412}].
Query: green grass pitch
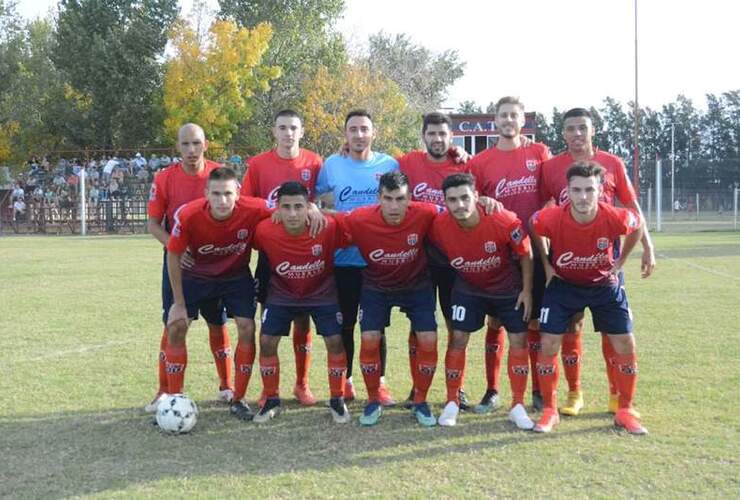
[{"x": 79, "y": 332}]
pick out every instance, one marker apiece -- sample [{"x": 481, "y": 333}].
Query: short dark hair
[
  {"x": 357, "y": 112},
  {"x": 222, "y": 174},
  {"x": 289, "y": 113},
  {"x": 457, "y": 180},
  {"x": 292, "y": 188},
  {"x": 585, "y": 169},
  {"x": 576, "y": 113},
  {"x": 509, "y": 99},
  {"x": 395, "y": 179},
  {"x": 435, "y": 118}
]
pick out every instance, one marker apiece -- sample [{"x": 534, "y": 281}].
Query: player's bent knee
[
  {"x": 550, "y": 343},
  {"x": 459, "y": 340},
  {"x": 426, "y": 340},
  {"x": 493, "y": 322},
  {"x": 334, "y": 344},
  {"x": 269, "y": 345},
  {"x": 245, "y": 328},
  {"x": 622, "y": 343},
  {"x": 177, "y": 331},
  {"x": 518, "y": 340}
]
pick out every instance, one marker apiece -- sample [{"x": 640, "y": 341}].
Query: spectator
[
  {"x": 18, "y": 192},
  {"x": 19, "y": 210}
]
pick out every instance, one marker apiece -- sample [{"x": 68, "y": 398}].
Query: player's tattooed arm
[
  {"x": 524, "y": 301},
  {"x": 630, "y": 241},
  {"x": 648, "y": 250},
  {"x": 154, "y": 227},
  {"x": 178, "y": 311},
  {"x": 490, "y": 205}
]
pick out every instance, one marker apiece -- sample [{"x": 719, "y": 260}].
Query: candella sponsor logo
[
  {"x": 349, "y": 193},
  {"x": 568, "y": 260},
  {"x": 475, "y": 266},
  {"x": 233, "y": 249},
  {"x": 300, "y": 271},
  {"x": 514, "y": 187},
  {"x": 393, "y": 259},
  {"x": 422, "y": 192}
]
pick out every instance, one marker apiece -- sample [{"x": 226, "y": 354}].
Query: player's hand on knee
[
  {"x": 178, "y": 312},
  {"x": 524, "y": 303}
]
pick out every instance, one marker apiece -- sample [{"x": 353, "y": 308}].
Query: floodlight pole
[
  {"x": 673, "y": 166},
  {"x": 636, "y": 153},
  {"x": 83, "y": 203},
  {"x": 658, "y": 195}
]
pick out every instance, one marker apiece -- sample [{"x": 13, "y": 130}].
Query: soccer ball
[{"x": 177, "y": 414}]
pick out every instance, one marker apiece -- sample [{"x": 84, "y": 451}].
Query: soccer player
[
  {"x": 219, "y": 231},
  {"x": 582, "y": 272},
  {"x": 172, "y": 188},
  {"x": 390, "y": 237},
  {"x": 578, "y": 132},
  {"x": 346, "y": 183},
  {"x": 481, "y": 249},
  {"x": 265, "y": 173},
  {"x": 511, "y": 172},
  {"x": 302, "y": 284}
]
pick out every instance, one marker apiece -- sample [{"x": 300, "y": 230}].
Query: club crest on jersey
[
  {"x": 516, "y": 235},
  {"x": 412, "y": 239},
  {"x": 531, "y": 165},
  {"x": 317, "y": 250},
  {"x": 602, "y": 243},
  {"x": 242, "y": 234},
  {"x": 489, "y": 246},
  {"x": 306, "y": 174}
]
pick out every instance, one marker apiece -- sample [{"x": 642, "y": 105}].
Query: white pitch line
[
  {"x": 702, "y": 268},
  {"x": 79, "y": 350}
]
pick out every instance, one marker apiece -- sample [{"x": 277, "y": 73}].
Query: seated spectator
[{"x": 18, "y": 192}]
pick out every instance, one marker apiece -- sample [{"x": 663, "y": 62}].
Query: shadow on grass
[{"x": 65, "y": 454}]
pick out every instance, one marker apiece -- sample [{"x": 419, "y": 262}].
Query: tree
[
  {"x": 330, "y": 95},
  {"x": 215, "y": 85},
  {"x": 422, "y": 75},
  {"x": 469, "y": 107}
]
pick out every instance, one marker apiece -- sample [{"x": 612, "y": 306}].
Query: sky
[{"x": 558, "y": 53}]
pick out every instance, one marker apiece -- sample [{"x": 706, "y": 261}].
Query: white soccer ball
[{"x": 177, "y": 414}]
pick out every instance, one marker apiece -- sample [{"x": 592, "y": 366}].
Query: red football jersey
[
  {"x": 582, "y": 254},
  {"x": 220, "y": 248},
  {"x": 616, "y": 184},
  {"x": 425, "y": 176},
  {"x": 395, "y": 255},
  {"x": 267, "y": 171},
  {"x": 482, "y": 256},
  {"x": 512, "y": 177},
  {"x": 301, "y": 267},
  {"x": 173, "y": 188}
]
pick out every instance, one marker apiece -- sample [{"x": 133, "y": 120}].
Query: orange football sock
[
  {"x": 370, "y": 366},
  {"x": 427, "y": 365},
  {"x": 454, "y": 372},
  {"x": 302, "y": 348},
  {"x": 163, "y": 388},
  {"x": 534, "y": 345},
  {"x": 493, "y": 356},
  {"x": 413, "y": 365},
  {"x": 571, "y": 353},
  {"x": 611, "y": 373},
  {"x": 518, "y": 366},
  {"x": 243, "y": 363},
  {"x": 337, "y": 368},
  {"x": 626, "y": 368},
  {"x": 547, "y": 373},
  {"x": 270, "y": 371},
  {"x": 177, "y": 361},
  {"x": 218, "y": 338}
]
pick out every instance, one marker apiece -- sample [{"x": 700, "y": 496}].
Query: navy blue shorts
[
  {"x": 212, "y": 311},
  {"x": 276, "y": 319},
  {"x": 538, "y": 286},
  {"x": 443, "y": 279},
  {"x": 419, "y": 306},
  {"x": 469, "y": 312},
  {"x": 608, "y": 304},
  {"x": 236, "y": 295}
]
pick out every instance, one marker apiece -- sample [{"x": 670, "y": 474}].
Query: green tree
[{"x": 469, "y": 107}]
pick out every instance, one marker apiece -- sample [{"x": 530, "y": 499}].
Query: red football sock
[
  {"x": 413, "y": 349},
  {"x": 370, "y": 366},
  {"x": 302, "y": 349},
  {"x": 177, "y": 361},
  {"x": 454, "y": 371},
  {"x": 533, "y": 342},
  {"x": 571, "y": 353},
  {"x": 450, "y": 333},
  {"x": 218, "y": 338},
  {"x": 518, "y": 365},
  {"x": 270, "y": 370},
  {"x": 626, "y": 370},
  {"x": 163, "y": 388},
  {"x": 427, "y": 365},
  {"x": 494, "y": 354},
  {"x": 337, "y": 368},
  {"x": 243, "y": 361},
  {"x": 611, "y": 373},
  {"x": 547, "y": 373}
]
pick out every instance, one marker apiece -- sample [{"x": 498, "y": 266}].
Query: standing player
[
  {"x": 172, "y": 188},
  {"x": 219, "y": 231},
  {"x": 265, "y": 173},
  {"x": 346, "y": 183},
  {"x": 511, "y": 172},
  {"x": 302, "y": 283},
  {"x": 582, "y": 272},
  {"x": 578, "y": 132},
  {"x": 481, "y": 249},
  {"x": 390, "y": 238}
]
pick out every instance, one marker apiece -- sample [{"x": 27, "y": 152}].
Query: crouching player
[
  {"x": 489, "y": 281},
  {"x": 581, "y": 272},
  {"x": 390, "y": 237},
  {"x": 218, "y": 231},
  {"x": 301, "y": 283}
]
